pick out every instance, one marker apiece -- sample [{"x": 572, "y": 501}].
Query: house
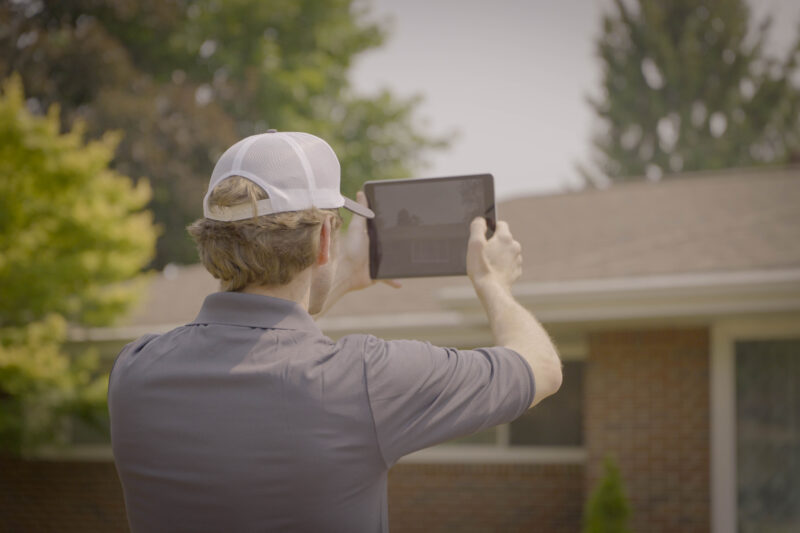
[{"x": 676, "y": 309}]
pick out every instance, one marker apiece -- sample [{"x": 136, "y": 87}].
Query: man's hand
[
  {"x": 494, "y": 261},
  {"x": 353, "y": 267},
  {"x": 352, "y": 261}
]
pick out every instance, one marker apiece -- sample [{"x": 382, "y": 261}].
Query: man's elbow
[
  {"x": 555, "y": 376},
  {"x": 548, "y": 382}
]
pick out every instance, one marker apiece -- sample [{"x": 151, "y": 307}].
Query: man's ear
[{"x": 324, "y": 254}]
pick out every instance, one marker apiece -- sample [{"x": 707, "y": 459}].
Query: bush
[{"x": 607, "y": 510}]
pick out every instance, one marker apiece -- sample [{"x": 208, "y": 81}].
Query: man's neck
[{"x": 298, "y": 290}]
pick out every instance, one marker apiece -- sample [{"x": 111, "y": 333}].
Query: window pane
[
  {"x": 768, "y": 435},
  {"x": 558, "y": 420}
]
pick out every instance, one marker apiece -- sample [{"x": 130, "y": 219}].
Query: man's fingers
[
  {"x": 503, "y": 229},
  {"x": 393, "y": 283},
  {"x": 477, "y": 230}
]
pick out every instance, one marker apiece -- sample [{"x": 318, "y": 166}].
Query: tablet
[{"x": 421, "y": 226}]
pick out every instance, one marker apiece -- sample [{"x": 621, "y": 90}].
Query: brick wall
[
  {"x": 486, "y": 498},
  {"x": 647, "y": 404},
  {"x": 48, "y": 496}
]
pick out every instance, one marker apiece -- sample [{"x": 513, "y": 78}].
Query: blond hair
[{"x": 264, "y": 250}]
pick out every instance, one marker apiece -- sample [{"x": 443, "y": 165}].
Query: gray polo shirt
[{"x": 250, "y": 419}]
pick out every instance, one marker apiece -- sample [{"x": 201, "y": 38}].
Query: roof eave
[
  {"x": 694, "y": 294},
  {"x": 579, "y": 301}
]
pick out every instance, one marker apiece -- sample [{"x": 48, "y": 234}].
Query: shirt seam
[{"x": 369, "y": 404}]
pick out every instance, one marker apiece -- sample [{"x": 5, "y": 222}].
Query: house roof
[{"x": 701, "y": 223}]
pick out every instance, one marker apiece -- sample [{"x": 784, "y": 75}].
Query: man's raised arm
[
  {"x": 352, "y": 258},
  {"x": 493, "y": 265}
]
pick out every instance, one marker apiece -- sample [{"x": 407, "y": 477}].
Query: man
[{"x": 249, "y": 418}]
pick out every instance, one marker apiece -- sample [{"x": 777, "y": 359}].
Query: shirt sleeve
[{"x": 421, "y": 395}]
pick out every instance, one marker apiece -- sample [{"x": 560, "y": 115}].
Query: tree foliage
[
  {"x": 184, "y": 79},
  {"x": 71, "y": 230},
  {"x": 71, "y": 238},
  {"x": 42, "y": 389},
  {"x": 607, "y": 510},
  {"x": 687, "y": 85}
]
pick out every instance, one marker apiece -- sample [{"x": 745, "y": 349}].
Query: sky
[{"x": 510, "y": 78}]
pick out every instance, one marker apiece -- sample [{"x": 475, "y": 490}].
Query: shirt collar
[{"x": 254, "y": 310}]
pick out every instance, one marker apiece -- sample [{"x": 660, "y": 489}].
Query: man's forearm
[{"x": 516, "y": 328}]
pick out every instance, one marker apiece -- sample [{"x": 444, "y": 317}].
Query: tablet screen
[{"x": 421, "y": 226}]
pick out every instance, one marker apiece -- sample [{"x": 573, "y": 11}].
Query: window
[
  {"x": 768, "y": 435},
  {"x": 557, "y": 421}
]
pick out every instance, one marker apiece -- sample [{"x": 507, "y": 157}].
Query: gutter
[{"x": 684, "y": 295}]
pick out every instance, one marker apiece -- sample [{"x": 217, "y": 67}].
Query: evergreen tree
[
  {"x": 73, "y": 240},
  {"x": 687, "y": 86},
  {"x": 607, "y": 510},
  {"x": 184, "y": 79}
]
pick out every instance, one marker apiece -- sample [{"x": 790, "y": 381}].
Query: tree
[
  {"x": 687, "y": 85},
  {"x": 41, "y": 388},
  {"x": 607, "y": 510},
  {"x": 72, "y": 243},
  {"x": 185, "y": 79}
]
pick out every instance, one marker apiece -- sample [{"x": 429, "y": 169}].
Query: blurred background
[{"x": 646, "y": 154}]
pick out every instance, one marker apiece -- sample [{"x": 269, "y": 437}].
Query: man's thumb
[{"x": 477, "y": 230}]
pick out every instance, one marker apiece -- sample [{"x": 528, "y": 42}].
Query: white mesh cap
[{"x": 296, "y": 170}]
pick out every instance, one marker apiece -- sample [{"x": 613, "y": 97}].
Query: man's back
[
  {"x": 248, "y": 429},
  {"x": 249, "y": 419}
]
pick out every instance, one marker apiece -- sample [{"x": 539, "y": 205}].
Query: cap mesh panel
[{"x": 275, "y": 162}]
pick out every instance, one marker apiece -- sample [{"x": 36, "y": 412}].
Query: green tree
[
  {"x": 687, "y": 85},
  {"x": 73, "y": 240},
  {"x": 41, "y": 388},
  {"x": 185, "y": 79},
  {"x": 607, "y": 510}
]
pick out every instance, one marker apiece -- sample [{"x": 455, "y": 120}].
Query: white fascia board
[
  {"x": 462, "y": 322},
  {"x": 704, "y": 294},
  {"x": 710, "y": 282},
  {"x": 444, "y": 328},
  {"x": 120, "y": 333}
]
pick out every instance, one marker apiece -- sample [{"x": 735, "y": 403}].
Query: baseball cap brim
[{"x": 357, "y": 208}]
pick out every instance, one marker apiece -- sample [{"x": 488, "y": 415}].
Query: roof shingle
[{"x": 728, "y": 221}]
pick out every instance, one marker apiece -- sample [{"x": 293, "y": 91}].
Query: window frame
[{"x": 724, "y": 336}]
